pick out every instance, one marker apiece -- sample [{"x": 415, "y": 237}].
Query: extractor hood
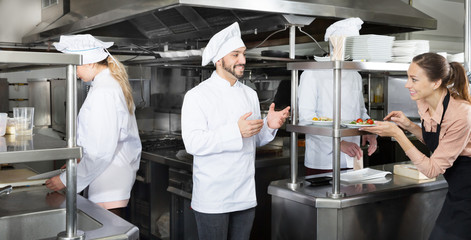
[{"x": 189, "y": 23}]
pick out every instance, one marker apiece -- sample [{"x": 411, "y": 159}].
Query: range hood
[{"x": 188, "y": 24}]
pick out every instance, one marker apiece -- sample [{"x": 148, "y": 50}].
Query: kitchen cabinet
[{"x": 396, "y": 207}]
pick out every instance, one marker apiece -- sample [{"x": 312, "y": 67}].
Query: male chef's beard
[{"x": 231, "y": 69}]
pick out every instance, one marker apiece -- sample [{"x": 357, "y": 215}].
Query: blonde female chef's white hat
[
  {"x": 91, "y": 49},
  {"x": 346, "y": 27},
  {"x": 222, "y": 43}
]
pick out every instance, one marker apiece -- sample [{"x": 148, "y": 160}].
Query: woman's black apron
[{"x": 454, "y": 220}]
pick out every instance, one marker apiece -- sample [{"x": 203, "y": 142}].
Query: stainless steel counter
[
  {"x": 166, "y": 175},
  {"x": 397, "y": 208},
  {"x": 176, "y": 158},
  {"x": 38, "y": 213}
]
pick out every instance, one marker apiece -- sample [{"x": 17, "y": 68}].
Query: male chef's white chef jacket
[
  {"x": 110, "y": 142},
  {"x": 316, "y": 100},
  {"x": 223, "y": 161}
]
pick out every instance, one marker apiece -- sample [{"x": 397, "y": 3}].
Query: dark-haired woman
[{"x": 441, "y": 90}]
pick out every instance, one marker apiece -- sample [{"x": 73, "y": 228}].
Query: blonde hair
[{"x": 118, "y": 72}]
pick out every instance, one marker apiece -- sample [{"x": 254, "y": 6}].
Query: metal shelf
[
  {"x": 47, "y": 149},
  {"x": 347, "y": 65},
  {"x": 36, "y": 148},
  {"x": 16, "y": 60},
  {"x": 327, "y": 131},
  {"x": 335, "y": 131},
  {"x": 20, "y": 148}
]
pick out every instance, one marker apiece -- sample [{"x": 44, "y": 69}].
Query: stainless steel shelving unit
[
  {"x": 336, "y": 131},
  {"x": 47, "y": 149},
  {"x": 44, "y": 149}
]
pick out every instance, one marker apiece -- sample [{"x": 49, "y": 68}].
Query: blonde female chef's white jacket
[
  {"x": 110, "y": 142},
  {"x": 316, "y": 100},
  {"x": 223, "y": 161}
]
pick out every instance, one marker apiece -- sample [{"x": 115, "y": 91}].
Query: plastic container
[
  {"x": 24, "y": 117},
  {"x": 3, "y": 123}
]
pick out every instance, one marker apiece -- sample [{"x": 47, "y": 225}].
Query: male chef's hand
[
  {"x": 351, "y": 149},
  {"x": 372, "y": 141},
  {"x": 248, "y": 128},
  {"x": 276, "y": 119},
  {"x": 55, "y": 183}
]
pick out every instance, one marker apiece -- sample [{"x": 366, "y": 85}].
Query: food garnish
[
  {"x": 360, "y": 121},
  {"x": 322, "y": 119}
]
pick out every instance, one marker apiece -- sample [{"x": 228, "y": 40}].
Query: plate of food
[
  {"x": 322, "y": 121},
  {"x": 359, "y": 123}
]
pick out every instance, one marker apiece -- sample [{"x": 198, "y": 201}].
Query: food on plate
[
  {"x": 322, "y": 119},
  {"x": 360, "y": 121}
]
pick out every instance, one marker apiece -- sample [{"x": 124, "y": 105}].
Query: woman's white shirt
[{"x": 109, "y": 138}]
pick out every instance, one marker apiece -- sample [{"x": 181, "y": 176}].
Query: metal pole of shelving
[
  {"x": 336, "y": 133},
  {"x": 467, "y": 37},
  {"x": 71, "y": 232},
  {"x": 369, "y": 94},
  {"x": 294, "y": 111}
]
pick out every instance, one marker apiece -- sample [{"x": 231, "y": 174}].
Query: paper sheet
[{"x": 362, "y": 175}]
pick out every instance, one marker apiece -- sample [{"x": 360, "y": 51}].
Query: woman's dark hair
[{"x": 453, "y": 75}]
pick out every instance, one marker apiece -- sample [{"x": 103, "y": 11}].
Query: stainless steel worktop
[
  {"x": 397, "y": 208},
  {"x": 356, "y": 193},
  {"x": 38, "y": 213},
  {"x": 34, "y": 148},
  {"x": 178, "y": 158}
]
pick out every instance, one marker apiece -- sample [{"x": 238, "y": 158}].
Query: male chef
[{"x": 221, "y": 127}]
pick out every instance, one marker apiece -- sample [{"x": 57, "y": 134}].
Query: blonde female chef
[
  {"x": 441, "y": 90},
  {"x": 107, "y": 129}
]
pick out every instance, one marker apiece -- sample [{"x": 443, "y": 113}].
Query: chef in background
[
  {"x": 107, "y": 129},
  {"x": 316, "y": 100},
  {"x": 221, "y": 128},
  {"x": 441, "y": 90}
]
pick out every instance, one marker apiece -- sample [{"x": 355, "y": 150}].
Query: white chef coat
[
  {"x": 110, "y": 142},
  {"x": 316, "y": 100},
  {"x": 223, "y": 161}
]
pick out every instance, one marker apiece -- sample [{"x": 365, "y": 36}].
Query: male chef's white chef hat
[
  {"x": 92, "y": 49},
  {"x": 347, "y": 27},
  {"x": 222, "y": 43}
]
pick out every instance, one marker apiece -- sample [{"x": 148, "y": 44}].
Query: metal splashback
[{"x": 147, "y": 22}]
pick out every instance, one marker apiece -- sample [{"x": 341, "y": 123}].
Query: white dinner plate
[
  {"x": 47, "y": 175},
  {"x": 352, "y": 125},
  {"x": 322, "y": 123}
]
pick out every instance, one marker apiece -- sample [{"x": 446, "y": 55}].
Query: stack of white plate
[
  {"x": 459, "y": 57},
  {"x": 182, "y": 53},
  {"x": 405, "y": 50},
  {"x": 372, "y": 48}
]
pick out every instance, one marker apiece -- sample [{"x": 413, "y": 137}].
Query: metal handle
[{"x": 6, "y": 190}]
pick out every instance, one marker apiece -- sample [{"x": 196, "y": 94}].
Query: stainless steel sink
[
  {"x": 37, "y": 213},
  {"x": 42, "y": 225}
]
